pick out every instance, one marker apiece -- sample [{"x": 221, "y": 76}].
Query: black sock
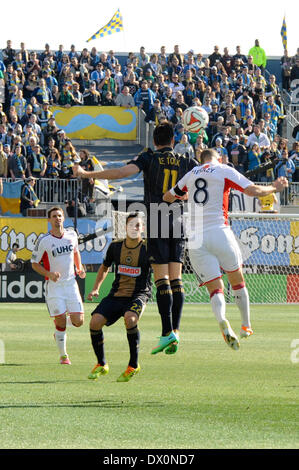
[
  {"x": 97, "y": 341},
  {"x": 178, "y": 295},
  {"x": 164, "y": 301},
  {"x": 133, "y": 336}
]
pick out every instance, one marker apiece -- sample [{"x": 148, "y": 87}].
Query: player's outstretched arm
[
  {"x": 259, "y": 191},
  {"x": 172, "y": 195},
  {"x": 101, "y": 275},
  {"x": 112, "y": 174}
]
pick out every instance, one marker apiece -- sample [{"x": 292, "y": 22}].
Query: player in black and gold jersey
[
  {"x": 128, "y": 296},
  {"x": 161, "y": 169}
]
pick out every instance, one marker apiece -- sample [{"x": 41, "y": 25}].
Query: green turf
[{"x": 205, "y": 396}]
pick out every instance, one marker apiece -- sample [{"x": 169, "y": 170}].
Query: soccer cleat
[
  {"x": 229, "y": 336},
  {"x": 172, "y": 348},
  {"x": 165, "y": 341},
  {"x": 65, "y": 360},
  {"x": 128, "y": 374},
  {"x": 98, "y": 370},
  {"x": 246, "y": 331}
]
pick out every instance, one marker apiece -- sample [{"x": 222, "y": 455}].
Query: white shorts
[
  {"x": 219, "y": 249},
  {"x": 63, "y": 297}
]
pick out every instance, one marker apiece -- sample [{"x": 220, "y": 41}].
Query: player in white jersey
[
  {"x": 56, "y": 256},
  {"x": 212, "y": 245}
]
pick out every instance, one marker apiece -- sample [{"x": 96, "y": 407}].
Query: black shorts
[
  {"x": 112, "y": 308},
  {"x": 166, "y": 250},
  {"x": 163, "y": 249}
]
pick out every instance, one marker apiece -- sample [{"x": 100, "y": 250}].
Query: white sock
[
  {"x": 242, "y": 302},
  {"x": 60, "y": 337},
  {"x": 218, "y": 304}
]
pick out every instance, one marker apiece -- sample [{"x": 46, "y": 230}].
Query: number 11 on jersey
[{"x": 167, "y": 174}]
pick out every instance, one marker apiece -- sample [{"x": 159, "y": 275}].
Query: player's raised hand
[
  {"x": 93, "y": 293},
  {"x": 281, "y": 183},
  {"x": 54, "y": 276}
]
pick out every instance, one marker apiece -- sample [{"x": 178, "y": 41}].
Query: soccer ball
[{"x": 195, "y": 119}]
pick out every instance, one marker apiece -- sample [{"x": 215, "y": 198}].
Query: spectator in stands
[
  {"x": 36, "y": 163},
  {"x": 215, "y": 56},
  {"x": 53, "y": 164},
  {"x": 107, "y": 84},
  {"x": 259, "y": 56},
  {"x": 254, "y": 158},
  {"x": 3, "y": 162},
  {"x": 175, "y": 85},
  {"x": 176, "y": 54},
  {"x": 162, "y": 58},
  {"x": 11, "y": 258},
  {"x": 294, "y": 156},
  {"x": 65, "y": 98},
  {"x": 257, "y": 137},
  {"x": 28, "y": 195},
  {"x": 184, "y": 147},
  {"x": 92, "y": 97},
  {"x": 144, "y": 98},
  {"x": 8, "y": 53},
  {"x": 286, "y": 67},
  {"x": 87, "y": 183},
  {"x": 295, "y": 71},
  {"x": 125, "y": 99},
  {"x": 237, "y": 155},
  {"x": 42, "y": 92},
  {"x": 239, "y": 56},
  {"x": 98, "y": 74},
  {"x": 77, "y": 95},
  {"x": 168, "y": 109},
  {"x": 17, "y": 164}
]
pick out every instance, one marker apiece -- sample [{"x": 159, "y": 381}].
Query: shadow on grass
[{"x": 85, "y": 404}]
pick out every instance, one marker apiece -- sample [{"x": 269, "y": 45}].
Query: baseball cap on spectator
[{"x": 218, "y": 140}]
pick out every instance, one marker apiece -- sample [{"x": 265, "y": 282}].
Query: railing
[{"x": 55, "y": 190}]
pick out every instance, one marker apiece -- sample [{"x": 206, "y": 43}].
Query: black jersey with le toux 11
[{"x": 161, "y": 171}]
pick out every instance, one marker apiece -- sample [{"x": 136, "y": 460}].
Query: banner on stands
[{"x": 97, "y": 122}]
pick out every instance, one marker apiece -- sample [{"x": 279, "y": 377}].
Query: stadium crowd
[{"x": 246, "y": 113}]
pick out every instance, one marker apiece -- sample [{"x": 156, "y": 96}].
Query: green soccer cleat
[
  {"x": 97, "y": 371},
  {"x": 128, "y": 374},
  {"x": 172, "y": 348},
  {"x": 165, "y": 341},
  {"x": 229, "y": 336}
]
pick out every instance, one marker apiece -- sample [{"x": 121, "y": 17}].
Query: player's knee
[
  {"x": 97, "y": 322},
  {"x": 77, "y": 320},
  {"x": 130, "y": 320}
]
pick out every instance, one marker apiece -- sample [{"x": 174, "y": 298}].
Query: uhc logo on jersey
[
  {"x": 62, "y": 250},
  {"x": 128, "y": 270}
]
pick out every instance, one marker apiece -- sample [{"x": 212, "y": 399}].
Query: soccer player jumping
[{"x": 213, "y": 245}]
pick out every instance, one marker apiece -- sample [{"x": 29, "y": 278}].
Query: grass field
[{"x": 204, "y": 397}]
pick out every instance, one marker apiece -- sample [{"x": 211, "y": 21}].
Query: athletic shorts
[
  {"x": 62, "y": 297},
  {"x": 219, "y": 250},
  {"x": 165, "y": 250},
  {"x": 112, "y": 308},
  {"x": 165, "y": 239}
]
